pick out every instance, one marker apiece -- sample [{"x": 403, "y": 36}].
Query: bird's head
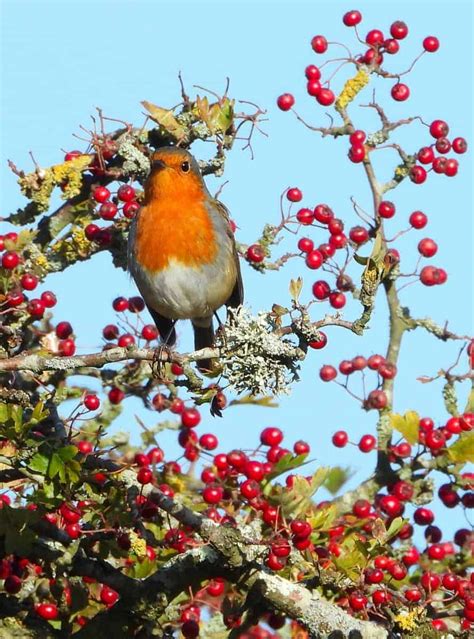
[{"x": 174, "y": 173}]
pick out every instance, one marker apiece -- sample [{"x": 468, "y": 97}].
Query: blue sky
[{"x": 62, "y": 59}]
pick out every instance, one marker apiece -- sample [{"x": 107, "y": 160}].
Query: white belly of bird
[{"x": 187, "y": 292}]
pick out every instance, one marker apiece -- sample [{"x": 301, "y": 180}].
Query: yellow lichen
[
  {"x": 409, "y": 619},
  {"x": 38, "y": 185},
  {"x": 75, "y": 244},
  {"x": 137, "y": 545},
  {"x": 351, "y": 88}
]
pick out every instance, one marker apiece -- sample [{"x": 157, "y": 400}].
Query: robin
[{"x": 181, "y": 250}]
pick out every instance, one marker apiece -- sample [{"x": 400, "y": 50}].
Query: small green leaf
[
  {"x": 55, "y": 466},
  {"x": 39, "y": 463},
  {"x": 407, "y": 425},
  {"x": 336, "y": 478},
  {"x": 39, "y": 413},
  {"x": 395, "y": 526},
  {"x": 67, "y": 453},
  {"x": 462, "y": 450}
]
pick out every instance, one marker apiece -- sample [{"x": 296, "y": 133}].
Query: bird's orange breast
[{"x": 174, "y": 229}]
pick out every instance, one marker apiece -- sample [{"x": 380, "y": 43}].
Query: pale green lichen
[
  {"x": 254, "y": 358},
  {"x": 135, "y": 161}
]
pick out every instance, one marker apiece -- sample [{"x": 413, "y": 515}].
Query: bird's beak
[{"x": 157, "y": 165}]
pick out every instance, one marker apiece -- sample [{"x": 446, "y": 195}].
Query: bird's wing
[{"x": 236, "y": 298}]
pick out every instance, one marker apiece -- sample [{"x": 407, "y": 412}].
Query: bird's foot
[{"x": 161, "y": 356}]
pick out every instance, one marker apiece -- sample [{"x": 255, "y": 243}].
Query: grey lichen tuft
[
  {"x": 254, "y": 358},
  {"x": 136, "y": 162}
]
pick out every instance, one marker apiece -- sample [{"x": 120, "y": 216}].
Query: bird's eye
[{"x": 185, "y": 167}]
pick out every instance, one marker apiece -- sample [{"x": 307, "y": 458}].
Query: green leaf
[
  {"x": 286, "y": 463},
  {"x": 407, "y": 425},
  {"x": 55, "y": 466},
  {"x": 462, "y": 450},
  {"x": 39, "y": 463},
  {"x": 297, "y": 499},
  {"x": 220, "y": 116},
  {"x": 39, "y": 413},
  {"x": 14, "y": 528},
  {"x": 67, "y": 453},
  {"x": 336, "y": 478},
  {"x": 395, "y": 526}
]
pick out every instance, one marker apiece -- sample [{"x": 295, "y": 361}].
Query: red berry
[
  {"x": 126, "y": 340},
  {"x": 359, "y": 234},
  {"x": 357, "y": 601},
  {"x": 337, "y": 299},
  {"x": 116, "y": 395},
  {"x": 320, "y": 343},
  {"x": 400, "y": 92},
  {"x": 10, "y": 260},
  {"x": 126, "y": 193},
  {"x": 64, "y": 330},
  {"x": 130, "y": 209},
  {"x": 319, "y": 44},
  {"x": 314, "y": 259},
  {"x": 71, "y": 155},
  {"x": 29, "y": 282},
  {"x": 417, "y": 174},
  {"x": 47, "y": 611},
  {"x": 418, "y": 220},
  {"x": 313, "y": 87},
  {"x": 285, "y": 101},
  {"x": 459, "y": 145},
  {"x": 451, "y": 167},
  {"x": 136, "y": 304},
  {"x": 91, "y": 231},
  {"x": 108, "y": 596},
  {"x": 352, "y": 18},
  {"x": 271, "y": 436},
  {"x": 91, "y": 402},
  {"x": 427, "y": 247},
  {"x": 413, "y": 595},
  {"x": 361, "y": 507},
  {"x": 426, "y": 155},
  {"x": 49, "y": 299},
  {"x": 340, "y": 438},
  {"x": 323, "y": 213},
  {"x": 430, "y": 581},
  {"x": 305, "y": 216},
  {"x": 325, "y": 97},
  {"x": 294, "y": 195},
  {"x": 374, "y": 37},
  {"x": 443, "y": 145},
  {"x": 149, "y": 332},
  {"x": 321, "y": 290},
  {"x": 357, "y": 153},
  {"x": 190, "y": 417},
  {"x": 255, "y": 253},
  {"x": 35, "y": 308},
  {"x": 391, "y": 505},
  {"x": 101, "y": 194},
  {"x": 357, "y": 137},
  {"x": 423, "y": 516},
  {"x": 144, "y": 475},
  {"x": 431, "y": 44},
  {"x": 312, "y": 72},
  {"x": 305, "y": 244},
  {"x": 399, "y": 30},
  {"x": 120, "y": 304},
  {"x": 386, "y": 209},
  {"x": 439, "y": 129},
  {"x": 212, "y": 494},
  {"x": 435, "y": 439},
  {"x": 367, "y": 443},
  {"x": 327, "y": 373}
]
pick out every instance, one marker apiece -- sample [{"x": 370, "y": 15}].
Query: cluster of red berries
[{"x": 378, "y": 45}]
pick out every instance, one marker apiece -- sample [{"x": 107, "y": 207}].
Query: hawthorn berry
[
  {"x": 400, "y": 92},
  {"x": 459, "y": 145},
  {"x": 10, "y": 260},
  {"x": 356, "y": 153},
  {"x": 427, "y": 247},
  {"x": 91, "y": 402},
  {"x": 418, "y": 220},
  {"x": 367, "y": 443},
  {"x": 352, "y": 18},
  {"x": 312, "y": 72},
  {"x": 126, "y": 193},
  {"x": 47, "y": 611},
  {"x": 319, "y": 44},
  {"x": 320, "y": 343},
  {"x": 101, "y": 194},
  {"x": 255, "y": 253},
  {"x": 431, "y": 44},
  {"x": 325, "y": 97},
  {"x": 386, "y": 209},
  {"x": 108, "y": 596},
  {"x": 327, "y": 373},
  {"x": 28, "y": 282},
  {"x": 314, "y": 259},
  {"x": 359, "y": 234},
  {"x": 285, "y": 101},
  {"x": 417, "y": 174}
]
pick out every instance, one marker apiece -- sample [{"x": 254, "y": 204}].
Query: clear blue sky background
[{"x": 62, "y": 59}]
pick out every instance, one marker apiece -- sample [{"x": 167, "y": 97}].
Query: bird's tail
[{"x": 204, "y": 338}]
